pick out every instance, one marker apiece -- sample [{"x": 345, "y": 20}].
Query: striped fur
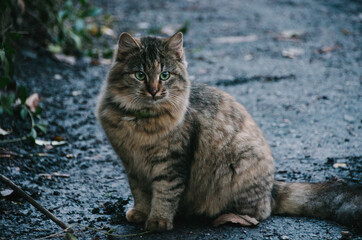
[{"x": 189, "y": 149}]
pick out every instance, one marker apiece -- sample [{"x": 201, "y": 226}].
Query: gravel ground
[{"x": 295, "y": 65}]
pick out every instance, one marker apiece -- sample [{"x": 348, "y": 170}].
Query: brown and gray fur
[{"x": 193, "y": 149}]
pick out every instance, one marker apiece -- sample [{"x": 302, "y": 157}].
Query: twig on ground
[
  {"x": 65, "y": 227},
  {"x": 56, "y": 234},
  {"x": 114, "y": 235},
  {"x": 23, "y": 194}
]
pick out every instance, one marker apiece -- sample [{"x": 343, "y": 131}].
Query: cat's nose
[{"x": 153, "y": 91}]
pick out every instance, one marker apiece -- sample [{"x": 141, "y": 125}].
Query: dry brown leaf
[
  {"x": 242, "y": 220},
  {"x": 58, "y": 138},
  {"x": 32, "y": 101}
]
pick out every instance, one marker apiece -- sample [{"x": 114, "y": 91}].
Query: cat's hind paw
[
  {"x": 135, "y": 216},
  {"x": 158, "y": 225}
]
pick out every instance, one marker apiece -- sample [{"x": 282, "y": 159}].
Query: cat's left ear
[
  {"x": 126, "y": 43},
  {"x": 175, "y": 43}
]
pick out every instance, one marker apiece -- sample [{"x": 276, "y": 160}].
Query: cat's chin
[{"x": 155, "y": 99}]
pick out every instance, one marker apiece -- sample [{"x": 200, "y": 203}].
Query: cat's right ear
[{"x": 126, "y": 43}]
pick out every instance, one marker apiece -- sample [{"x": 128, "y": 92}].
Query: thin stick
[
  {"x": 56, "y": 234},
  {"x": 114, "y": 235},
  {"x": 33, "y": 202}
]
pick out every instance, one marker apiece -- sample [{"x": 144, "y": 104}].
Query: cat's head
[{"x": 149, "y": 73}]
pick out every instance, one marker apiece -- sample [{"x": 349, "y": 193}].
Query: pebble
[{"x": 349, "y": 118}]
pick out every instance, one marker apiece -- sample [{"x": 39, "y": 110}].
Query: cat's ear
[
  {"x": 175, "y": 43},
  {"x": 126, "y": 43}
]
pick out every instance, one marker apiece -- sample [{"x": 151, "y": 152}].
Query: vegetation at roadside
[{"x": 59, "y": 26}]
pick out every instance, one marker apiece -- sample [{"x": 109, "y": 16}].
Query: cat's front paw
[
  {"x": 135, "y": 216},
  {"x": 158, "y": 224}
]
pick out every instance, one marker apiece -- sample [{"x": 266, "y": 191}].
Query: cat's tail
[{"x": 331, "y": 200}]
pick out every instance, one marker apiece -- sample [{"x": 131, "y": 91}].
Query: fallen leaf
[
  {"x": 93, "y": 29},
  {"x": 292, "y": 52},
  {"x": 248, "y": 57},
  {"x": 3, "y": 132},
  {"x": 32, "y": 101},
  {"x": 64, "y": 58},
  {"x": 6, "y": 192},
  {"x": 329, "y": 48},
  {"x": 291, "y": 35},
  {"x": 53, "y": 143},
  {"x": 170, "y": 29},
  {"x": 105, "y": 61},
  {"x": 57, "y": 76},
  {"x": 54, "y": 174},
  {"x": 42, "y": 154},
  {"x": 58, "y": 138},
  {"x": 65, "y": 175},
  {"x": 48, "y": 147},
  {"x": 46, "y": 175},
  {"x": 235, "y": 39},
  {"x": 243, "y": 220},
  {"x": 143, "y": 25},
  {"x": 108, "y": 31},
  {"x": 340, "y": 165},
  {"x": 76, "y": 93}
]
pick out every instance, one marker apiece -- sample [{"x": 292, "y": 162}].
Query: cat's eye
[
  {"x": 165, "y": 75},
  {"x": 140, "y": 76}
]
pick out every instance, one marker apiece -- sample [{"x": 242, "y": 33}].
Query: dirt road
[{"x": 295, "y": 65}]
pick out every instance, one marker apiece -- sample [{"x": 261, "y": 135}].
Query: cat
[{"x": 191, "y": 149}]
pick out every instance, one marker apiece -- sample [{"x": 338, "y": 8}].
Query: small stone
[
  {"x": 349, "y": 118},
  {"x": 283, "y": 237},
  {"x": 340, "y": 165}
]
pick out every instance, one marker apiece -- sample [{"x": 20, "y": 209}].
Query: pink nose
[{"x": 153, "y": 91}]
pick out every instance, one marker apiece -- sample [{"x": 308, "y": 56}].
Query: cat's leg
[
  {"x": 141, "y": 208},
  {"x": 167, "y": 188}
]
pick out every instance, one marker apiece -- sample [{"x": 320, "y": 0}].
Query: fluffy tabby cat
[{"x": 194, "y": 150}]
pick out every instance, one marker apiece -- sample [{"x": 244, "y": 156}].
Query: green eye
[
  {"x": 140, "y": 76},
  {"x": 165, "y": 75}
]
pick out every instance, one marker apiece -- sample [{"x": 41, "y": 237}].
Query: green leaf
[
  {"x": 79, "y": 25},
  {"x": 22, "y": 93},
  {"x": 23, "y": 113},
  {"x": 62, "y": 15},
  {"x": 77, "y": 40},
  {"x": 4, "y": 81},
  {"x": 9, "y": 110},
  {"x": 54, "y": 48},
  {"x": 33, "y": 133},
  {"x": 1, "y": 110},
  {"x": 108, "y": 53},
  {"x": 42, "y": 127},
  {"x": 7, "y": 101},
  {"x": 94, "y": 12},
  {"x": 2, "y": 55}
]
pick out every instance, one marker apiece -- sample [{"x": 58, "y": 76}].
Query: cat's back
[{"x": 214, "y": 104}]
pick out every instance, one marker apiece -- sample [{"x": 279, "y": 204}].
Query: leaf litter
[{"x": 242, "y": 220}]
